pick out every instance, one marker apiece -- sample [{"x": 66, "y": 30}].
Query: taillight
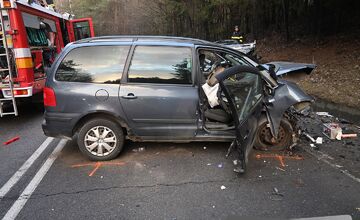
[
  {"x": 49, "y": 97},
  {"x": 20, "y": 92},
  {"x": 7, "y": 4}
]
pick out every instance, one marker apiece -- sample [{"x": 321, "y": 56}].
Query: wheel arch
[{"x": 102, "y": 114}]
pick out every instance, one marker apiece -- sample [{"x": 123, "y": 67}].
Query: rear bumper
[
  {"x": 59, "y": 125},
  {"x": 28, "y": 92}
]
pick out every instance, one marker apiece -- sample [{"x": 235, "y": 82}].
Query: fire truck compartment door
[{"x": 80, "y": 29}]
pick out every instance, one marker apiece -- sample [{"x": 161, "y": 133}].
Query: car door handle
[{"x": 129, "y": 96}]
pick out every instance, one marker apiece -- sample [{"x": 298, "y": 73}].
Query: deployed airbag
[{"x": 211, "y": 94}]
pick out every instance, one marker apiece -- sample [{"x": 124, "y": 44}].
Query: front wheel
[
  {"x": 265, "y": 141},
  {"x": 100, "y": 139}
]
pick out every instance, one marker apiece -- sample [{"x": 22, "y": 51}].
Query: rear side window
[
  {"x": 161, "y": 64},
  {"x": 95, "y": 64}
]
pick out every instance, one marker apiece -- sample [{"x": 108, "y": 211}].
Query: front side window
[
  {"x": 245, "y": 90},
  {"x": 161, "y": 64},
  {"x": 207, "y": 58},
  {"x": 95, "y": 64}
]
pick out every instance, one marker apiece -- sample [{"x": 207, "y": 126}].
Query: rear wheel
[
  {"x": 100, "y": 139},
  {"x": 265, "y": 141}
]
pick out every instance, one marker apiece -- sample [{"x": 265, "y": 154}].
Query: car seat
[{"x": 221, "y": 112}]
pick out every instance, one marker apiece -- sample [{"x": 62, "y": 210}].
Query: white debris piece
[
  {"x": 276, "y": 190},
  {"x": 222, "y": 187},
  {"x": 140, "y": 149},
  {"x": 338, "y": 135},
  {"x": 324, "y": 114},
  {"x": 319, "y": 140},
  {"x": 309, "y": 136}
]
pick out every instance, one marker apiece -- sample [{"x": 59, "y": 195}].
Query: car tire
[
  {"x": 262, "y": 139},
  {"x": 100, "y": 139}
]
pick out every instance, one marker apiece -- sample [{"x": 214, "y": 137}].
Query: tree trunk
[{"x": 286, "y": 18}]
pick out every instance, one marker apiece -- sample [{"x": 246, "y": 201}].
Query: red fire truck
[{"x": 32, "y": 34}]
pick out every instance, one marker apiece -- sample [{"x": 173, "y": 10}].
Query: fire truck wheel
[{"x": 100, "y": 139}]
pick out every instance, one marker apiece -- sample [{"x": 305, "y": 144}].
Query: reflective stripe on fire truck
[
  {"x": 23, "y": 58},
  {"x": 22, "y": 52},
  {"x": 23, "y": 63}
]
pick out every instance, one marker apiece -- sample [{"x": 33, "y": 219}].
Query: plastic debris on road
[
  {"x": 278, "y": 168},
  {"x": 12, "y": 140},
  {"x": 348, "y": 135},
  {"x": 140, "y": 149},
  {"x": 324, "y": 114},
  {"x": 332, "y": 131},
  {"x": 309, "y": 137},
  {"x": 220, "y": 165},
  {"x": 319, "y": 140},
  {"x": 313, "y": 146},
  {"x": 276, "y": 195},
  {"x": 276, "y": 192},
  {"x": 222, "y": 187}
]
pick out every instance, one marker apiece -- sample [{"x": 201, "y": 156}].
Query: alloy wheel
[{"x": 100, "y": 141}]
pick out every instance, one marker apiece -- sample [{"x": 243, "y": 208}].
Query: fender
[{"x": 285, "y": 96}]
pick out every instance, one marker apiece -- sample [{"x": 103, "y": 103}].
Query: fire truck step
[
  {"x": 5, "y": 99},
  {"x": 8, "y": 113}
]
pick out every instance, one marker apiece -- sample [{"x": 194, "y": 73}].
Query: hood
[
  {"x": 282, "y": 68},
  {"x": 244, "y": 48}
]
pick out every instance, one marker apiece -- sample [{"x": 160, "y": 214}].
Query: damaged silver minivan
[{"x": 149, "y": 88}]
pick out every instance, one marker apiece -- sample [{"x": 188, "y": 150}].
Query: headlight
[{"x": 302, "y": 106}]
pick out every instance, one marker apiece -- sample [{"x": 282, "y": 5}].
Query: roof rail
[{"x": 137, "y": 37}]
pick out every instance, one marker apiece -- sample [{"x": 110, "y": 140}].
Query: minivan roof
[{"x": 147, "y": 38}]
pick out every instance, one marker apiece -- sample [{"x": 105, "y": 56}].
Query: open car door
[
  {"x": 80, "y": 28},
  {"x": 242, "y": 89}
]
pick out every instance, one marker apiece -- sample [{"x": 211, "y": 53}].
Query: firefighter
[
  {"x": 48, "y": 53},
  {"x": 237, "y": 35}
]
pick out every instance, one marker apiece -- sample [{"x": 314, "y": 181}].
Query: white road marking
[
  {"x": 325, "y": 158},
  {"x": 28, "y": 191},
  {"x": 22, "y": 170}
]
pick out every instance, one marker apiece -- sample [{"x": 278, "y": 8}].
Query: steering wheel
[{"x": 214, "y": 66}]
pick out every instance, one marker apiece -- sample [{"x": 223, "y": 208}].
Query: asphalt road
[{"x": 165, "y": 181}]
